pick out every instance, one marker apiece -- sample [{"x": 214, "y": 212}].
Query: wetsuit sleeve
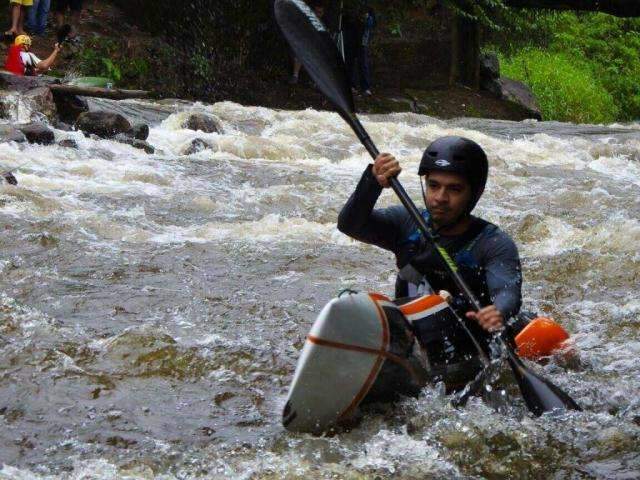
[
  {"x": 360, "y": 221},
  {"x": 503, "y": 274}
]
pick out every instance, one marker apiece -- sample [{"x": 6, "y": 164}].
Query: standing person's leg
[
  {"x": 43, "y": 13},
  {"x": 365, "y": 77},
  {"x": 26, "y": 5},
  {"x": 31, "y": 20},
  {"x": 16, "y": 10},
  {"x": 297, "y": 66}
]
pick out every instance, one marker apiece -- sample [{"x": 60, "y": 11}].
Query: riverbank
[{"x": 112, "y": 46}]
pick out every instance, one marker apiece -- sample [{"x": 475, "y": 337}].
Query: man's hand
[
  {"x": 384, "y": 168},
  {"x": 489, "y": 318}
]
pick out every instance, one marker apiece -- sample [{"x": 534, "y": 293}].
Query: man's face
[{"x": 447, "y": 196}]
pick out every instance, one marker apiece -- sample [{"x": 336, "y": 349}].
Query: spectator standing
[
  {"x": 37, "y": 17},
  {"x": 61, "y": 7},
  {"x": 363, "y": 57},
  {"x": 18, "y": 16}
]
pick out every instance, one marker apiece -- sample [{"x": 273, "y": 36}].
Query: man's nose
[{"x": 441, "y": 195}]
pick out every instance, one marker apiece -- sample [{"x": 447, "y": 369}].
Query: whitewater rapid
[{"x": 152, "y": 307}]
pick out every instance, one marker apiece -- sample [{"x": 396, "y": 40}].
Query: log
[
  {"x": 96, "y": 92},
  {"x": 619, "y": 8}
]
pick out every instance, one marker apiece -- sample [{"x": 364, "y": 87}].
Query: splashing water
[{"x": 153, "y": 306}]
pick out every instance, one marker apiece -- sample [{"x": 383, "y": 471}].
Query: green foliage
[
  {"x": 103, "y": 57},
  {"x": 606, "y": 46},
  {"x": 566, "y": 88}
]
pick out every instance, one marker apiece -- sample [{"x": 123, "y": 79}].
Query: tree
[
  {"x": 466, "y": 28},
  {"x": 619, "y": 8}
]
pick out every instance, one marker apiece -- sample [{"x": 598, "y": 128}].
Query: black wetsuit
[{"x": 487, "y": 258}]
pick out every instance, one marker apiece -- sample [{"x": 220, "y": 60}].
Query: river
[{"x": 153, "y": 307}]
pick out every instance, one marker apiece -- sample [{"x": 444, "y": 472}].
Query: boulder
[
  {"x": 203, "y": 122},
  {"x": 489, "y": 66},
  {"x": 70, "y": 107},
  {"x": 68, "y": 143},
  {"x": 7, "y": 103},
  {"x": 516, "y": 93},
  {"x": 11, "y": 134},
  {"x": 9, "y": 81},
  {"x": 196, "y": 145},
  {"x": 135, "y": 142},
  {"x": 140, "y": 131},
  {"x": 103, "y": 124},
  {"x": 38, "y": 132},
  {"x": 65, "y": 127},
  {"x": 40, "y": 100}
]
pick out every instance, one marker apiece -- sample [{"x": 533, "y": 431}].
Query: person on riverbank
[
  {"x": 18, "y": 16},
  {"x": 363, "y": 58},
  {"x": 319, "y": 10},
  {"x": 61, "y": 7},
  {"x": 37, "y": 16},
  {"x": 21, "y": 61},
  {"x": 453, "y": 175}
]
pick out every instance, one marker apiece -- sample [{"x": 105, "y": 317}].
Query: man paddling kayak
[{"x": 453, "y": 175}]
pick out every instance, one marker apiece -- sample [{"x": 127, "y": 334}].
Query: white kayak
[{"x": 360, "y": 347}]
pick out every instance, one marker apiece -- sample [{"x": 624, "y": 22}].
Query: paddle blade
[
  {"x": 314, "y": 48},
  {"x": 539, "y": 394},
  {"x": 63, "y": 33}
]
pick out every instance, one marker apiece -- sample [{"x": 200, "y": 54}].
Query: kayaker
[
  {"x": 21, "y": 61},
  {"x": 453, "y": 173}
]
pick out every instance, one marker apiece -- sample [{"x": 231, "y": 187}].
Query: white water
[{"x": 153, "y": 305}]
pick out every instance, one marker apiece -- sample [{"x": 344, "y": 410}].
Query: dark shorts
[{"x": 62, "y": 5}]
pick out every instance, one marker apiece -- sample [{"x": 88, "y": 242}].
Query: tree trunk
[
  {"x": 619, "y": 8},
  {"x": 114, "y": 94},
  {"x": 465, "y": 52}
]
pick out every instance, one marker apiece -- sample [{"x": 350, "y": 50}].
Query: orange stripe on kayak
[
  {"x": 379, "y": 296},
  {"x": 421, "y": 304},
  {"x": 357, "y": 348},
  {"x": 382, "y": 352}
]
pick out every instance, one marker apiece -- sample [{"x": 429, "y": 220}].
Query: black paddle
[{"x": 315, "y": 49}]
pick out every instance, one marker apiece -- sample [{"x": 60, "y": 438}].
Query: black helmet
[{"x": 458, "y": 155}]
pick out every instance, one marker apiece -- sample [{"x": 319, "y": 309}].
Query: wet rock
[
  {"x": 9, "y": 178},
  {"x": 203, "y": 122},
  {"x": 143, "y": 145},
  {"x": 136, "y": 143},
  {"x": 65, "y": 127},
  {"x": 70, "y": 107},
  {"x": 103, "y": 124},
  {"x": 516, "y": 93},
  {"x": 40, "y": 100},
  {"x": 196, "y": 146},
  {"x": 7, "y": 102},
  {"x": 489, "y": 66},
  {"x": 11, "y": 134},
  {"x": 38, "y": 132},
  {"x": 9, "y": 81},
  {"x": 140, "y": 131},
  {"x": 68, "y": 143}
]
